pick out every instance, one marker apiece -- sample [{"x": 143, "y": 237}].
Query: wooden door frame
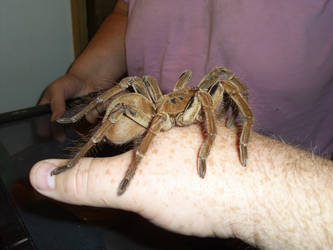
[{"x": 79, "y": 25}]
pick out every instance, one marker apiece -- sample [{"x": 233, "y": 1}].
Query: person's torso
[{"x": 281, "y": 50}]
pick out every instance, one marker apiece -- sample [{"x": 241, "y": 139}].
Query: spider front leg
[
  {"x": 97, "y": 137},
  {"x": 124, "y": 84},
  {"x": 106, "y": 130},
  {"x": 155, "y": 127},
  {"x": 233, "y": 91}
]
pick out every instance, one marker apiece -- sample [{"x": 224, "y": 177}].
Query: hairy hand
[{"x": 166, "y": 188}]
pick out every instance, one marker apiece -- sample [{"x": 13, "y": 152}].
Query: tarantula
[{"x": 146, "y": 110}]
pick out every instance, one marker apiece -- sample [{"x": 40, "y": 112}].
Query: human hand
[
  {"x": 272, "y": 203},
  {"x": 166, "y": 188},
  {"x": 57, "y": 92}
]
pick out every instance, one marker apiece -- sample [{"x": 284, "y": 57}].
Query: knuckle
[{"x": 75, "y": 184}]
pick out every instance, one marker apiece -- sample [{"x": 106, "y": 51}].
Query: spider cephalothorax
[{"x": 146, "y": 110}]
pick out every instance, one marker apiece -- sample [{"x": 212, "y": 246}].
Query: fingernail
[{"x": 43, "y": 179}]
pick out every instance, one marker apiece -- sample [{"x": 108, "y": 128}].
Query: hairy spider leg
[
  {"x": 190, "y": 113},
  {"x": 155, "y": 127},
  {"x": 216, "y": 91},
  {"x": 153, "y": 88},
  {"x": 211, "y": 78},
  {"x": 201, "y": 101},
  {"x": 183, "y": 79},
  {"x": 137, "y": 100},
  {"x": 135, "y": 82},
  {"x": 120, "y": 110},
  {"x": 97, "y": 137},
  {"x": 208, "y": 109},
  {"x": 137, "y": 115},
  {"x": 229, "y": 103},
  {"x": 233, "y": 91}
]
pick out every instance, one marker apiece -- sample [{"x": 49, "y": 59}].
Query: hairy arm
[
  {"x": 290, "y": 196},
  {"x": 282, "y": 199}
]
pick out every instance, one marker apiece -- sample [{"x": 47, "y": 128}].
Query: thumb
[
  {"x": 165, "y": 188},
  {"x": 92, "y": 182}
]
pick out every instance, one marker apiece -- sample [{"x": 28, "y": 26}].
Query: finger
[
  {"x": 61, "y": 89},
  {"x": 45, "y": 99},
  {"x": 56, "y": 99},
  {"x": 154, "y": 194},
  {"x": 58, "y": 105},
  {"x": 92, "y": 182},
  {"x": 165, "y": 188}
]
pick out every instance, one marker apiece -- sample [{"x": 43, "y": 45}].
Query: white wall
[{"x": 35, "y": 48}]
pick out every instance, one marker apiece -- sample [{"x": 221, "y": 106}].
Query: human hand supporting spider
[{"x": 256, "y": 204}]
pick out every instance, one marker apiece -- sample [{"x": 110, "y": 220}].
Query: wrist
[
  {"x": 79, "y": 84},
  {"x": 233, "y": 186},
  {"x": 289, "y": 199}
]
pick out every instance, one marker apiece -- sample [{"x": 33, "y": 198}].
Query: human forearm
[
  {"x": 282, "y": 200},
  {"x": 292, "y": 199},
  {"x": 103, "y": 61}
]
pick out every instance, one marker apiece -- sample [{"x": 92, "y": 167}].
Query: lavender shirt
[{"x": 282, "y": 50}]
